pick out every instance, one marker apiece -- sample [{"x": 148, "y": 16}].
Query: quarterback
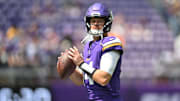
[{"x": 99, "y": 67}]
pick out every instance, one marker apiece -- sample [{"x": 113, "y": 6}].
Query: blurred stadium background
[{"x": 34, "y": 32}]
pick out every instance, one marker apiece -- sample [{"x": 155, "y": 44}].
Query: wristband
[
  {"x": 87, "y": 69},
  {"x": 81, "y": 64}
]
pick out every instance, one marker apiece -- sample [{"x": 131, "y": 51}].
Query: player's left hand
[{"x": 75, "y": 56}]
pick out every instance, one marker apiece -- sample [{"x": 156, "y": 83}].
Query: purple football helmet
[{"x": 98, "y": 10}]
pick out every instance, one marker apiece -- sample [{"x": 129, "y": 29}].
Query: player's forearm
[
  {"x": 101, "y": 77},
  {"x": 76, "y": 77}
]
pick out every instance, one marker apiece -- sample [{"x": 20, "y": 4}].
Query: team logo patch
[{"x": 111, "y": 39}]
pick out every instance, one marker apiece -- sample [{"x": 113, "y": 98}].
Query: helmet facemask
[
  {"x": 98, "y": 10},
  {"x": 96, "y": 32},
  {"x": 106, "y": 14},
  {"x": 96, "y": 22}
]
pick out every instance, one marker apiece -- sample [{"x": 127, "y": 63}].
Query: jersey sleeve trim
[
  {"x": 114, "y": 40},
  {"x": 112, "y": 45}
]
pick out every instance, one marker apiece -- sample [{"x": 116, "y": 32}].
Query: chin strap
[
  {"x": 95, "y": 32},
  {"x": 101, "y": 40},
  {"x": 87, "y": 38}
]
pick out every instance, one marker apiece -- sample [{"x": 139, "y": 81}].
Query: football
[{"x": 65, "y": 66}]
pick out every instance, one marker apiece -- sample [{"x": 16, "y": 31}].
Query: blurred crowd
[
  {"x": 170, "y": 11},
  {"x": 35, "y": 39},
  {"x": 34, "y": 32},
  {"x": 24, "y": 48},
  {"x": 20, "y": 48},
  {"x": 168, "y": 63}
]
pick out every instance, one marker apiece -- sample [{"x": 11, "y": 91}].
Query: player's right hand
[{"x": 75, "y": 56}]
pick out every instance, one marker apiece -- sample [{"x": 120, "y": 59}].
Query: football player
[{"x": 100, "y": 66}]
